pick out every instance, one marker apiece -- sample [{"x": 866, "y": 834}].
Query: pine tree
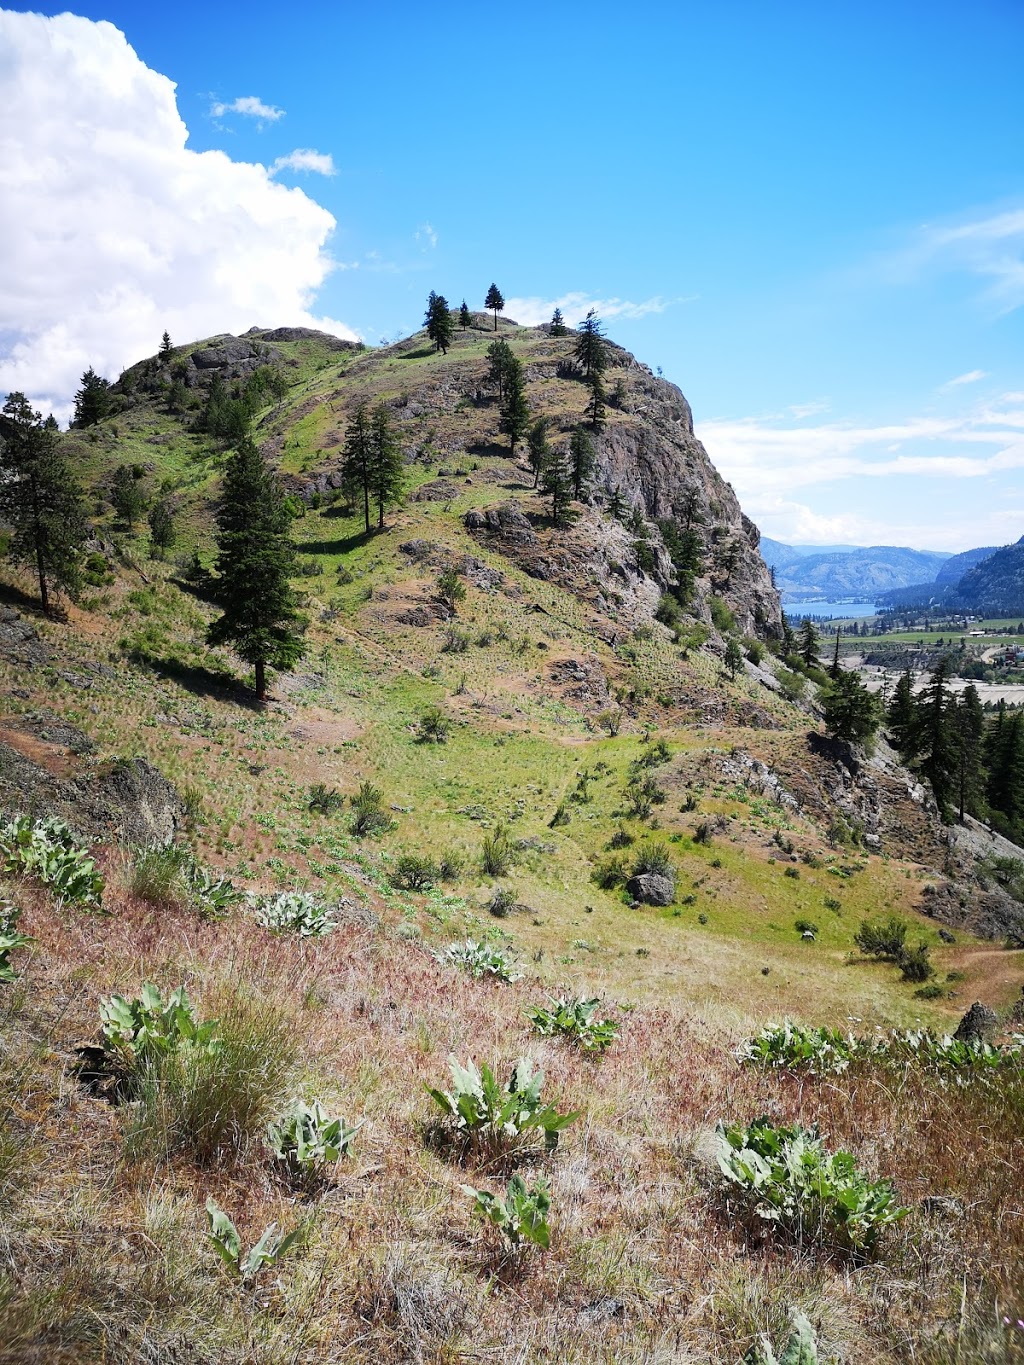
[
  {"x": 92, "y": 401},
  {"x": 733, "y": 658},
  {"x": 581, "y": 461},
  {"x": 126, "y": 495},
  {"x": 616, "y": 503},
  {"x": 515, "y": 411},
  {"x": 808, "y": 644},
  {"x": 686, "y": 550},
  {"x": 499, "y": 358},
  {"x": 591, "y": 352},
  {"x": 40, "y": 499},
  {"x": 558, "y": 327},
  {"x": 463, "y": 316},
  {"x": 387, "y": 468},
  {"x": 538, "y": 449},
  {"x": 357, "y": 459},
  {"x": 968, "y": 733},
  {"x": 556, "y": 483},
  {"x": 935, "y": 736},
  {"x": 161, "y": 525},
  {"x": 596, "y": 409},
  {"x": 255, "y": 562},
  {"x": 788, "y": 637},
  {"x": 834, "y": 669},
  {"x": 1004, "y": 753},
  {"x": 902, "y": 717},
  {"x": 440, "y": 327},
  {"x": 851, "y": 712},
  {"x": 495, "y": 300},
  {"x": 165, "y": 346}
]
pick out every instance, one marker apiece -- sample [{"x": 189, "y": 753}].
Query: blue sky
[{"x": 811, "y": 216}]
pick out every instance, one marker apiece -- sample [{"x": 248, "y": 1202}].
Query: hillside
[
  {"x": 953, "y": 570},
  {"x": 581, "y": 742},
  {"x": 995, "y": 586},
  {"x": 860, "y": 573}
]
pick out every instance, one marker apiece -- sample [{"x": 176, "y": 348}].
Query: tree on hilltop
[
  {"x": 515, "y": 411},
  {"x": 439, "y": 324},
  {"x": 591, "y": 351},
  {"x": 495, "y": 300},
  {"x": 92, "y": 401},
  {"x": 558, "y": 327},
  {"x": 40, "y": 499},
  {"x": 165, "y": 346},
  {"x": 463, "y": 316},
  {"x": 255, "y": 562}
]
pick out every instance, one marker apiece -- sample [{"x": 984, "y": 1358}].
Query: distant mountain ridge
[{"x": 855, "y": 571}]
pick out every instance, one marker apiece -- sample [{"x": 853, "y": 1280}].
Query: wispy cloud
[
  {"x": 971, "y": 377},
  {"x": 427, "y": 236},
  {"x": 990, "y": 247},
  {"x": 303, "y": 160},
  {"x": 530, "y": 312},
  {"x": 249, "y": 106}
]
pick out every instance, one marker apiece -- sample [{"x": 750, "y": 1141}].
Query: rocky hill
[
  {"x": 861, "y": 573},
  {"x": 995, "y": 586},
  {"x": 953, "y": 570}
]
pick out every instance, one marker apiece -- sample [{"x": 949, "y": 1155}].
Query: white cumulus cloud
[
  {"x": 305, "y": 159},
  {"x": 530, "y": 312},
  {"x": 113, "y": 230},
  {"x": 249, "y": 106}
]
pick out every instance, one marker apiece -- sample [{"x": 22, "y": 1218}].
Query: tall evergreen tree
[
  {"x": 463, "y": 316},
  {"x": 162, "y": 531},
  {"x": 808, "y": 644},
  {"x": 968, "y": 719},
  {"x": 515, "y": 411},
  {"x": 255, "y": 561},
  {"x": 92, "y": 401},
  {"x": 127, "y": 495},
  {"x": 616, "y": 503},
  {"x": 556, "y": 483},
  {"x": 834, "y": 668},
  {"x": 495, "y": 300},
  {"x": 40, "y": 499},
  {"x": 851, "y": 712},
  {"x": 935, "y": 736},
  {"x": 788, "y": 637},
  {"x": 499, "y": 358},
  {"x": 558, "y": 327},
  {"x": 538, "y": 450},
  {"x": 902, "y": 717},
  {"x": 387, "y": 468},
  {"x": 596, "y": 409},
  {"x": 165, "y": 346},
  {"x": 439, "y": 324},
  {"x": 357, "y": 459},
  {"x": 591, "y": 352},
  {"x": 1004, "y": 751},
  {"x": 581, "y": 461}
]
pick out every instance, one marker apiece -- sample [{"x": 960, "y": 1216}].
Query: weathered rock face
[
  {"x": 977, "y": 1025},
  {"x": 658, "y": 465}
]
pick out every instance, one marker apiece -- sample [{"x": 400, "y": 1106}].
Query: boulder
[
  {"x": 652, "y": 889},
  {"x": 977, "y": 1024}
]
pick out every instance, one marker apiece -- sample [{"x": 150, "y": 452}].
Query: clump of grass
[
  {"x": 415, "y": 872},
  {"x": 434, "y": 727},
  {"x": 498, "y": 853},
  {"x": 368, "y": 814},
  {"x": 324, "y": 800}
]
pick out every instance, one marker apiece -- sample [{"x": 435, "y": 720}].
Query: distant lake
[{"x": 829, "y": 610}]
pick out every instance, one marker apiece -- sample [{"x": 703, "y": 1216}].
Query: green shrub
[
  {"x": 574, "y": 1018},
  {"x": 414, "y": 872},
  {"x": 653, "y": 860},
  {"x": 223, "y": 1237},
  {"x": 610, "y": 873},
  {"x": 455, "y": 641},
  {"x": 305, "y": 1142},
  {"x": 498, "y": 853},
  {"x": 46, "y": 850},
  {"x": 792, "y": 872},
  {"x": 503, "y": 902},
  {"x": 156, "y": 875},
  {"x": 10, "y": 939},
  {"x": 827, "y": 1051},
  {"x": 294, "y": 912},
  {"x": 786, "y": 1179},
  {"x": 479, "y": 961},
  {"x": 915, "y": 964},
  {"x": 806, "y": 926},
  {"x": 521, "y": 1215},
  {"x": 451, "y": 864},
  {"x": 492, "y": 1119},
  {"x": 368, "y": 814},
  {"x": 622, "y": 838},
  {"x": 324, "y": 800},
  {"x": 560, "y": 817},
  {"x": 434, "y": 727},
  {"x": 722, "y": 618},
  {"x": 884, "y": 937}
]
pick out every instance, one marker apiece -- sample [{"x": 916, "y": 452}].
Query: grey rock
[
  {"x": 601, "y": 1311},
  {"x": 977, "y": 1024},
  {"x": 652, "y": 889},
  {"x": 475, "y": 521}
]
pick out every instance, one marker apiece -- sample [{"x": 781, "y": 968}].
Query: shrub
[
  {"x": 10, "y": 939},
  {"x": 800, "y": 1347},
  {"x": 209, "y": 895},
  {"x": 795, "y": 1046},
  {"x": 522, "y": 1214},
  {"x": 324, "y": 800},
  {"x": 368, "y": 814},
  {"x": 492, "y": 1119},
  {"x": 455, "y": 641},
  {"x": 653, "y": 860},
  {"x": 498, "y": 854},
  {"x": 295, "y": 912},
  {"x": 414, "y": 872},
  {"x": 574, "y": 1018},
  {"x": 480, "y": 961},
  {"x": 826, "y": 1050},
  {"x": 450, "y": 865},
  {"x": 305, "y": 1142},
  {"x": 560, "y": 817},
  {"x": 722, "y": 618},
  {"x": 610, "y": 873},
  {"x": 434, "y": 727},
  {"x": 785, "y": 1177},
  {"x": 503, "y": 902},
  {"x": 611, "y": 721},
  {"x": 621, "y": 838},
  {"x": 792, "y": 872},
  {"x": 223, "y": 1237},
  {"x": 884, "y": 937},
  {"x": 46, "y": 850},
  {"x": 806, "y": 926},
  {"x": 704, "y": 833},
  {"x": 915, "y": 964}
]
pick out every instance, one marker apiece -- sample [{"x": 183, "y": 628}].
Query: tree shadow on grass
[
  {"x": 11, "y": 596},
  {"x": 341, "y": 546},
  {"x": 421, "y": 354},
  {"x": 197, "y": 679}
]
